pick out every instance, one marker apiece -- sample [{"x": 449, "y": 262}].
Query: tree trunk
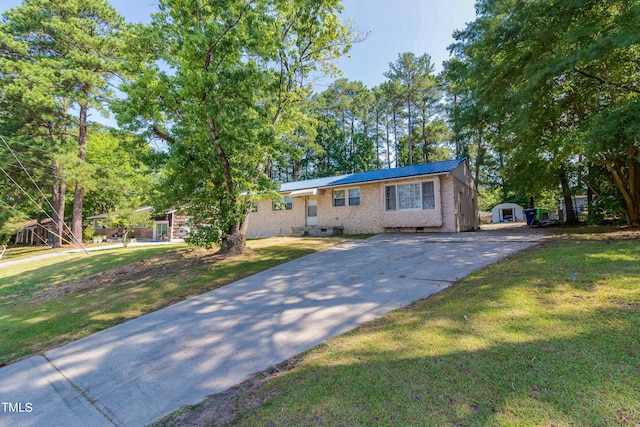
[
  {"x": 568, "y": 202},
  {"x": 395, "y": 137},
  {"x": 125, "y": 237},
  {"x": 294, "y": 170},
  {"x": 377, "y": 139},
  {"x": 479, "y": 160},
  {"x": 352, "y": 144},
  {"x": 409, "y": 142},
  {"x": 388, "y": 142},
  {"x": 455, "y": 126},
  {"x": 58, "y": 195},
  {"x": 629, "y": 187},
  {"x": 39, "y": 231},
  {"x": 76, "y": 222},
  {"x": 425, "y": 145},
  {"x": 78, "y": 195},
  {"x": 590, "y": 207},
  {"x": 235, "y": 240}
]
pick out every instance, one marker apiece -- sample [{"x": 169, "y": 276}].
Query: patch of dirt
[
  {"x": 163, "y": 265},
  {"x": 603, "y": 234},
  {"x": 221, "y": 409}
]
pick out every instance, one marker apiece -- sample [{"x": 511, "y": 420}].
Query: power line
[
  {"x": 41, "y": 193},
  {"x": 35, "y": 203},
  {"x": 8, "y": 205},
  {"x": 17, "y": 142},
  {"x": 46, "y": 169}
]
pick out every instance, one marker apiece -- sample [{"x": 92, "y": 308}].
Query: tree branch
[
  {"x": 209, "y": 53},
  {"x": 605, "y": 82},
  {"x": 163, "y": 135}
]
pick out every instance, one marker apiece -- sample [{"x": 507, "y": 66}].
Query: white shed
[
  {"x": 580, "y": 205},
  {"x": 507, "y": 212}
]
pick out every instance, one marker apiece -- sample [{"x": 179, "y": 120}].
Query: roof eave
[{"x": 384, "y": 179}]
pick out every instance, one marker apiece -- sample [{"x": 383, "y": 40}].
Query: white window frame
[
  {"x": 432, "y": 195},
  {"x": 352, "y": 199},
  {"x": 392, "y": 197},
  {"x": 390, "y": 200},
  {"x": 409, "y": 196},
  {"x": 285, "y": 205},
  {"x": 346, "y": 197}
]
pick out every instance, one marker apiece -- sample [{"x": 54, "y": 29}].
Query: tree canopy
[
  {"x": 221, "y": 85},
  {"x": 541, "y": 97},
  {"x": 556, "y": 84},
  {"x": 56, "y": 61}
]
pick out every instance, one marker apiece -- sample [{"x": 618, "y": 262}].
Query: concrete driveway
[{"x": 138, "y": 372}]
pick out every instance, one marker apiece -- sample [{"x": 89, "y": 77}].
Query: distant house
[
  {"x": 169, "y": 226},
  {"x": 35, "y": 233},
  {"x": 438, "y": 196},
  {"x": 580, "y": 205},
  {"x": 507, "y": 212}
]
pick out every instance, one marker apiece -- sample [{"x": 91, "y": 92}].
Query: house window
[
  {"x": 390, "y": 197},
  {"x": 254, "y": 207},
  {"x": 354, "y": 196},
  {"x": 428, "y": 195},
  {"x": 284, "y": 205},
  {"x": 340, "y": 197},
  {"x": 410, "y": 196}
]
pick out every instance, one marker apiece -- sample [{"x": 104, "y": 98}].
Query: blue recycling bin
[{"x": 531, "y": 216}]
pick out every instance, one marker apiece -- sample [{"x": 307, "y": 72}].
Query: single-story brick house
[{"x": 431, "y": 197}]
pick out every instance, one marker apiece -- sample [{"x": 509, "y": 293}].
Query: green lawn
[
  {"x": 548, "y": 337},
  {"x": 46, "y": 303},
  {"x": 18, "y": 252}
]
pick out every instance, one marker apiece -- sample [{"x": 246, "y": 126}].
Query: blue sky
[{"x": 395, "y": 26}]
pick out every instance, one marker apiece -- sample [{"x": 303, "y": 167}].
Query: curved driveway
[{"x": 142, "y": 370}]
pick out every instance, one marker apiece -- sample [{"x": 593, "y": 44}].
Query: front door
[
  {"x": 312, "y": 210},
  {"x": 161, "y": 230}
]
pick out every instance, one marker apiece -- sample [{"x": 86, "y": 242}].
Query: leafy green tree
[
  {"x": 381, "y": 129},
  {"x": 469, "y": 122},
  {"x": 392, "y": 98},
  {"x": 17, "y": 190},
  {"x": 122, "y": 171},
  {"x": 299, "y": 146},
  {"x": 417, "y": 85},
  {"x": 219, "y": 83},
  {"x": 56, "y": 60},
  {"x": 330, "y": 159},
  {"x": 558, "y": 81},
  {"x": 126, "y": 219},
  {"x": 350, "y": 105},
  {"x": 10, "y": 220}
]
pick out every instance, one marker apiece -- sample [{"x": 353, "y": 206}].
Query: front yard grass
[
  {"x": 46, "y": 303},
  {"x": 547, "y": 337}
]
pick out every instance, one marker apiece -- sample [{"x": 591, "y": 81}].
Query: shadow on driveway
[{"x": 142, "y": 370}]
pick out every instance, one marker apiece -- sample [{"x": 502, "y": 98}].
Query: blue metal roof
[
  {"x": 310, "y": 183},
  {"x": 355, "y": 178}
]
